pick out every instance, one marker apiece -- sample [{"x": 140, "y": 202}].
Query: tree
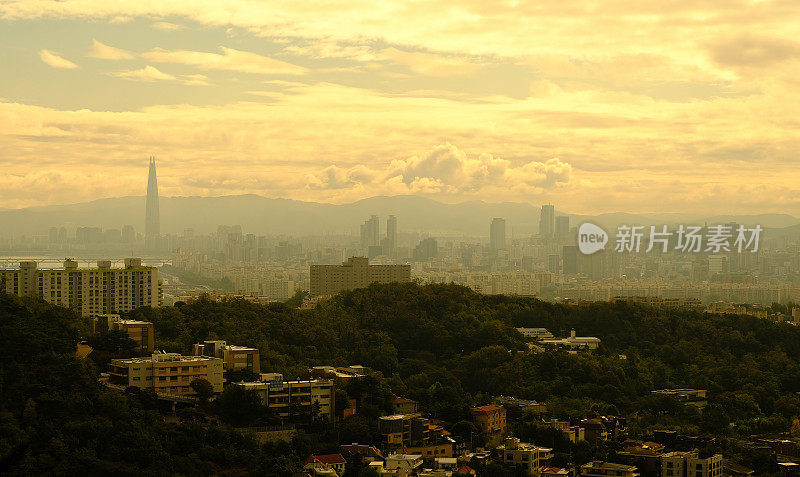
[{"x": 203, "y": 389}]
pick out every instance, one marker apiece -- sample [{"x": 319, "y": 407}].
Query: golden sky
[{"x": 595, "y": 106}]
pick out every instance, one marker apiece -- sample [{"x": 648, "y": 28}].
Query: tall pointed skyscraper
[{"x": 152, "y": 220}]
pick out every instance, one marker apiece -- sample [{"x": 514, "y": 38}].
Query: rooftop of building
[
  {"x": 328, "y": 459},
  {"x": 264, "y": 384},
  {"x": 609, "y": 466},
  {"x": 488, "y": 408},
  {"x": 165, "y": 358}
]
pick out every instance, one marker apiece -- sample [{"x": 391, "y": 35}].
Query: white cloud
[
  {"x": 230, "y": 60},
  {"x": 167, "y": 26},
  {"x": 151, "y": 73},
  {"x": 106, "y": 52},
  {"x": 52, "y": 59},
  {"x": 449, "y": 170}
]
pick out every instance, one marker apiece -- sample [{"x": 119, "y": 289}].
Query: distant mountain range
[{"x": 261, "y": 215}]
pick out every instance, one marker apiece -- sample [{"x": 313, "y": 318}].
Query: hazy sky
[{"x": 680, "y": 106}]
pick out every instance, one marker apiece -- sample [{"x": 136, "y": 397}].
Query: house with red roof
[{"x": 325, "y": 463}]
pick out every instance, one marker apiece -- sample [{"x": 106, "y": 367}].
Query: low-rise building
[
  {"x": 296, "y": 399},
  {"x": 397, "y": 430},
  {"x": 235, "y": 358},
  {"x": 606, "y": 469},
  {"x": 401, "y": 405},
  {"x": 142, "y": 332},
  {"x": 166, "y": 373},
  {"x": 694, "y": 397},
  {"x": 536, "y": 333},
  {"x": 491, "y": 418},
  {"x": 325, "y": 463},
  {"x": 523, "y": 404},
  {"x": 573, "y": 342},
  {"x": 691, "y": 464},
  {"x": 529, "y": 456}
]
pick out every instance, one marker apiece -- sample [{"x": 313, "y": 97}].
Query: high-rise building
[
  {"x": 370, "y": 232},
  {"x": 152, "y": 224},
  {"x": 562, "y": 226},
  {"x": 356, "y": 272},
  {"x": 497, "y": 234},
  {"x": 90, "y": 292},
  {"x": 547, "y": 221},
  {"x": 426, "y": 250},
  {"x": 391, "y": 236}
]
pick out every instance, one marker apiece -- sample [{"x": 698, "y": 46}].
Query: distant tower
[
  {"x": 152, "y": 221},
  {"x": 547, "y": 222},
  {"x": 391, "y": 236},
  {"x": 497, "y": 234}
]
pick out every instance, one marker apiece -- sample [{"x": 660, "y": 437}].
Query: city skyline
[{"x": 681, "y": 108}]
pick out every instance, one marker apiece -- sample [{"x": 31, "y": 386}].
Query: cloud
[
  {"x": 52, "y": 59},
  {"x": 167, "y": 26},
  {"x": 151, "y": 74},
  {"x": 106, "y": 52},
  {"x": 230, "y": 60},
  {"x": 753, "y": 51},
  {"x": 449, "y": 170},
  {"x": 430, "y": 64}
]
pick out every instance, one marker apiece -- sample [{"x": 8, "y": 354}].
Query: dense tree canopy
[{"x": 442, "y": 345}]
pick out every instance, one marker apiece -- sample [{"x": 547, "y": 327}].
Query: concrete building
[
  {"x": 497, "y": 234},
  {"x": 536, "y": 333},
  {"x": 605, "y": 469},
  {"x": 142, "y": 332},
  {"x": 166, "y": 373},
  {"x": 234, "y": 358},
  {"x": 690, "y": 464},
  {"x": 370, "y": 232},
  {"x": 356, "y": 272},
  {"x": 282, "y": 396},
  {"x": 547, "y": 221},
  {"x": 324, "y": 462},
  {"x": 562, "y": 227},
  {"x": 573, "y": 342},
  {"x": 398, "y": 430},
  {"x": 89, "y": 292},
  {"x": 529, "y": 456},
  {"x": 491, "y": 418}
]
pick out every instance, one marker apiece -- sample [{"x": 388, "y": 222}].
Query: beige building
[
  {"x": 234, "y": 357},
  {"x": 529, "y": 456},
  {"x": 166, "y": 373},
  {"x": 281, "y": 395},
  {"x": 142, "y": 332},
  {"x": 690, "y": 464},
  {"x": 491, "y": 418},
  {"x": 356, "y": 272},
  {"x": 87, "y": 291}
]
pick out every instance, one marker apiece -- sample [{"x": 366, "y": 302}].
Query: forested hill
[
  {"x": 462, "y": 344},
  {"x": 443, "y": 345}
]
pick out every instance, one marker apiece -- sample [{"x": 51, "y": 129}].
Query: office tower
[
  {"x": 547, "y": 221},
  {"x": 370, "y": 232},
  {"x": 152, "y": 225},
  {"x": 570, "y": 259},
  {"x": 356, "y": 272},
  {"x": 128, "y": 234},
  {"x": 497, "y": 234},
  {"x": 90, "y": 292},
  {"x": 562, "y": 227},
  {"x": 426, "y": 250},
  {"x": 391, "y": 235}
]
